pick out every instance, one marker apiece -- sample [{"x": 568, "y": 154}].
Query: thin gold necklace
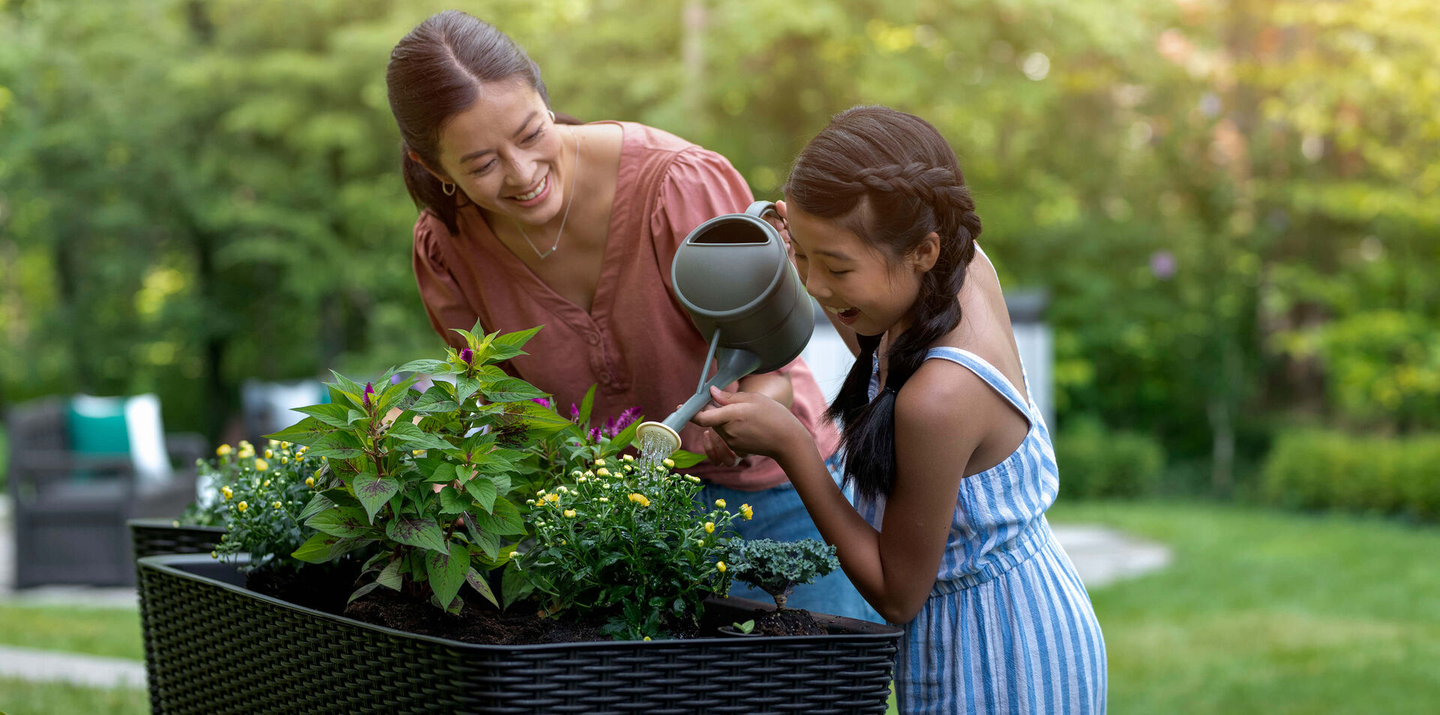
[{"x": 575, "y": 172}]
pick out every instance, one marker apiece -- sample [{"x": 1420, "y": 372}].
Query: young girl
[{"x": 951, "y": 463}]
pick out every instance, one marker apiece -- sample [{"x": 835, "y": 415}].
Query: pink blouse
[{"x": 637, "y": 344}]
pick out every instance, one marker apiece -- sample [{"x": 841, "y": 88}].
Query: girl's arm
[{"x": 939, "y": 419}]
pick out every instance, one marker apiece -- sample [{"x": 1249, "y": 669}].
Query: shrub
[
  {"x": 259, "y": 498},
  {"x": 777, "y": 567},
  {"x": 620, "y": 541},
  {"x": 1323, "y": 469},
  {"x": 1096, "y": 462}
]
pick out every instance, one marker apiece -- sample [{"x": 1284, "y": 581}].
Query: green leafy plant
[
  {"x": 777, "y": 567},
  {"x": 618, "y": 539},
  {"x": 422, "y": 478},
  {"x": 746, "y": 627},
  {"x": 259, "y": 498}
]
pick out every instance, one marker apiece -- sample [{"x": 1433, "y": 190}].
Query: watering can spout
[{"x": 734, "y": 277}]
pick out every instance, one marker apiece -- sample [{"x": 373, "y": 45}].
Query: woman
[{"x": 528, "y": 221}]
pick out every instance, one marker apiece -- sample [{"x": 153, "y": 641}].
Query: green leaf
[
  {"x": 307, "y": 431},
  {"x": 477, "y": 582},
  {"x": 373, "y": 492},
  {"x": 408, "y": 436},
  {"x": 359, "y": 592},
  {"x": 447, "y": 571},
  {"x": 347, "y": 385},
  {"x": 488, "y": 543},
  {"x": 504, "y": 520},
  {"x": 483, "y": 491},
  {"x": 318, "y": 503},
  {"x": 586, "y": 405},
  {"x": 341, "y": 521},
  {"x": 501, "y": 353},
  {"x": 435, "y": 399},
  {"x": 337, "y": 445},
  {"x": 685, "y": 460},
  {"x": 510, "y": 390},
  {"x": 390, "y": 575},
  {"x": 515, "y": 585},
  {"x": 333, "y": 415},
  {"x": 414, "y": 531},
  {"x": 518, "y": 338},
  {"x": 427, "y": 367},
  {"x": 443, "y": 473},
  {"x": 325, "y": 547},
  {"x": 453, "y": 502},
  {"x": 341, "y": 497}
]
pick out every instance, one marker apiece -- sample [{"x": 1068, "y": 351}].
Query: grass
[
  {"x": 1270, "y": 612},
  {"x": 110, "y": 632},
  {"x": 19, "y": 697}
]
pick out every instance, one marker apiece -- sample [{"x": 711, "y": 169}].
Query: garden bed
[{"x": 214, "y": 646}]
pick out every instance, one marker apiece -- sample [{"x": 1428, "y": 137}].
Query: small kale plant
[
  {"x": 421, "y": 479},
  {"x": 777, "y": 567},
  {"x": 623, "y": 541}
]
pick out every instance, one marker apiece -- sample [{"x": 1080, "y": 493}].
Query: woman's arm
[{"x": 893, "y": 569}]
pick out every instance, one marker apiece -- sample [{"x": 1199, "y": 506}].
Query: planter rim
[
  {"x": 153, "y": 522},
  {"x": 168, "y": 564}
]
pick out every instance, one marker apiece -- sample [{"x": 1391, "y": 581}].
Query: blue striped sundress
[{"x": 1008, "y": 627}]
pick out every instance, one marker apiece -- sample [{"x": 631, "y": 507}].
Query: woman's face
[
  {"x": 506, "y": 154},
  {"x": 865, "y": 289}
]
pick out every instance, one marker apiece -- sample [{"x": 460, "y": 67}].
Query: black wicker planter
[
  {"x": 156, "y": 537},
  {"x": 214, "y": 647}
]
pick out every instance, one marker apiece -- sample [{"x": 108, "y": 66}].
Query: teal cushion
[{"x": 97, "y": 428}]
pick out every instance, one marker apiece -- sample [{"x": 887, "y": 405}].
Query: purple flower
[
  {"x": 1162, "y": 265},
  {"x": 595, "y": 435},
  {"x": 395, "y": 379},
  {"x": 609, "y": 429},
  {"x": 467, "y": 356},
  {"x": 541, "y": 401},
  {"x": 626, "y": 418},
  {"x": 574, "y": 413},
  {"x": 369, "y": 393}
]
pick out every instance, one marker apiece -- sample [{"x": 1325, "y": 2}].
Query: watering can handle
[{"x": 760, "y": 208}]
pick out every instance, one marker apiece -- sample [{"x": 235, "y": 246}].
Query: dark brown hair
[
  {"x": 891, "y": 178},
  {"x": 434, "y": 73}
]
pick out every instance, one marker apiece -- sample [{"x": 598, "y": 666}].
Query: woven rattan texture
[
  {"x": 213, "y": 650},
  {"x": 155, "y": 540}
]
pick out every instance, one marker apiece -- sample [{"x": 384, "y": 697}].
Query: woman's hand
[{"x": 752, "y": 423}]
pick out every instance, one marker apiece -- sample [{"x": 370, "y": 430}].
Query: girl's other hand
[{"x": 751, "y": 423}]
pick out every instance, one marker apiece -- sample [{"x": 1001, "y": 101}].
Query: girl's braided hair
[{"x": 892, "y": 179}]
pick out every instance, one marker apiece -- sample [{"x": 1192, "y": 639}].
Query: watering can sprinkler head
[{"x": 733, "y": 275}]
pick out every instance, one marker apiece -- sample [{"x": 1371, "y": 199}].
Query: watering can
[{"x": 733, "y": 275}]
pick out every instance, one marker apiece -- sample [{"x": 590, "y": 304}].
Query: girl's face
[
  {"x": 506, "y": 154},
  {"x": 868, "y": 291}
]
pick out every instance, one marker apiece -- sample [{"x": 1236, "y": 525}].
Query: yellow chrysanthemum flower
[
  {"x": 277, "y": 505},
  {"x": 309, "y": 481},
  {"x": 222, "y": 450},
  {"x": 720, "y": 566},
  {"x": 629, "y": 458},
  {"x": 640, "y": 499},
  {"x": 709, "y": 527},
  {"x": 720, "y": 503},
  {"x": 747, "y": 512},
  {"x": 242, "y": 506},
  {"x": 269, "y": 454},
  {"x": 214, "y": 555},
  {"x": 228, "y": 492},
  {"x": 693, "y": 478},
  {"x": 599, "y": 462},
  {"x": 603, "y": 472},
  {"x": 552, "y": 497},
  {"x": 604, "y": 500},
  {"x": 261, "y": 465},
  {"x": 266, "y": 484},
  {"x": 669, "y": 463},
  {"x": 569, "y": 513}
]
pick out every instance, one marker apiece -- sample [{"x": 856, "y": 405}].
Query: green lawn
[
  {"x": 1261, "y": 612},
  {"x": 18, "y": 697},
  {"x": 1269, "y": 612},
  {"x": 111, "y": 632}
]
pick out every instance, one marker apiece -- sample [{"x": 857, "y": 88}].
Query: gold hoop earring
[
  {"x": 447, "y": 189},
  {"x": 552, "y": 116}
]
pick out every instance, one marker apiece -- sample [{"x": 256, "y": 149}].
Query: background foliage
[{"x": 1230, "y": 203}]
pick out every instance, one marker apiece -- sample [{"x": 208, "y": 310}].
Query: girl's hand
[{"x": 752, "y": 423}]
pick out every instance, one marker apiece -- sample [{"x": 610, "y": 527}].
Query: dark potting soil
[
  {"x": 323, "y": 587},
  {"x": 789, "y": 622}
]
